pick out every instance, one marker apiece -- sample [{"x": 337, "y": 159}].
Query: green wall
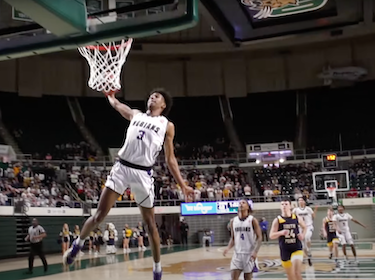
[
  {"x": 8, "y": 236},
  {"x": 53, "y": 226}
]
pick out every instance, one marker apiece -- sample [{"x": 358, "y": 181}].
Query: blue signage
[
  {"x": 198, "y": 208},
  {"x": 211, "y": 208}
]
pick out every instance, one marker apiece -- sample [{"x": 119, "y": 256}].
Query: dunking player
[
  {"x": 306, "y": 214},
  {"x": 144, "y": 140},
  {"x": 329, "y": 232},
  {"x": 286, "y": 227},
  {"x": 246, "y": 237},
  {"x": 341, "y": 222}
]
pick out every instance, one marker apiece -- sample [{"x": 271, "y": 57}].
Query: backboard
[
  {"x": 324, "y": 180},
  {"x": 106, "y": 20}
]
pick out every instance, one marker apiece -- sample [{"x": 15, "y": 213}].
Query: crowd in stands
[
  {"x": 44, "y": 185},
  {"x": 69, "y": 151}
]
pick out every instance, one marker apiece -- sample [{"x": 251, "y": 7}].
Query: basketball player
[
  {"x": 306, "y": 214},
  {"x": 286, "y": 227},
  {"x": 144, "y": 140},
  {"x": 246, "y": 237},
  {"x": 329, "y": 232},
  {"x": 341, "y": 223}
]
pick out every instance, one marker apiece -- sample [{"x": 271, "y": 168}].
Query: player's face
[
  {"x": 243, "y": 205},
  {"x": 340, "y": 209},
  {"x": 285, "y": 206},
  {"x": 329, "y": 212},
  {"x": 301, "y": 202},
  {"x": 34, "y": 222},
  {"x": 156, "y": 101}
]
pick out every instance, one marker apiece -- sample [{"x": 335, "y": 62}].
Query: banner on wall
[{"x": 211, "y": 208}]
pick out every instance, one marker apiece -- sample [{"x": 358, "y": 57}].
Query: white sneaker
[
  {"x": 139, "y": 248},
  {"x": 129, "y": 250},
  {"x": 125, "y": 251},
  {"x": 144, "y": 248},
  {"x": 81, "y": 253},
  {"x": 90, "y": 252},
  {"x": 96, "y": 253}
]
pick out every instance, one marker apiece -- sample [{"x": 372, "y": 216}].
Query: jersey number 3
[{"x": 141, "y": 134}]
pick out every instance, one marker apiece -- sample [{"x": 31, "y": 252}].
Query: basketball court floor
[{"x": 187, "y": 263}]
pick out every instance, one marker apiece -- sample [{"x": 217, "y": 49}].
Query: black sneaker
[
  {"x": 330, "y": 256},
  {"x": 310, "y": 262}
]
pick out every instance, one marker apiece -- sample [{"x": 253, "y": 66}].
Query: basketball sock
[
  {"x": 157, "y": 267},
  {"x": 80, "y": 242}
]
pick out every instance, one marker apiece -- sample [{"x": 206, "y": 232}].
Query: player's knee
[{"x": 98, "y": 217}]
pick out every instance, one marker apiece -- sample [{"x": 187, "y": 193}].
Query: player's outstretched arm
[
  {"x": 358, "y": 222},
  {"x": 171, "y": 160},
  {"x": 123, "y": 109}
]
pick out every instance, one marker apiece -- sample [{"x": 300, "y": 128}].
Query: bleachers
[
  {"x": 38, "y": 124},
  {"x": 259, "y": 118}
]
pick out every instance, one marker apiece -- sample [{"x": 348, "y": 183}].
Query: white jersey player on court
[
  {"x": 246, "y": 238},
  {"x": 341, "y": 223},
  {"x": 145, "y": 137},
  {"x": 306, "y": 214}
]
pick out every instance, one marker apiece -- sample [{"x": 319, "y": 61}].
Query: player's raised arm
[
  {"x": 122, "y": 108},
  {"x": 171, "y": 160}
]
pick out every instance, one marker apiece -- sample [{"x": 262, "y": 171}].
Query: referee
[{"x": 35, "y": 236}]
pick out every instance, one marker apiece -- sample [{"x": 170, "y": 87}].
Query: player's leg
[
  {"x": 237, "y": 265},
  {"x": 307, "y": 244},
  {"x": 335, "y": 245},
  {"x": 106, "y": 202},
  {"x": 286, "y": 263},
  {"x": 350, "y": 241},
  {"x": 148, "y": 216},
  {"x": 342, "y": 239},
  {"x": 296, "y": 260}
]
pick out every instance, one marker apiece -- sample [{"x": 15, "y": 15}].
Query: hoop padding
[{"x": 106, "y": 61}]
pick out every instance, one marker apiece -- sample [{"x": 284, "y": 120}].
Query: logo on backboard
[{"x": 281, "y": 8}]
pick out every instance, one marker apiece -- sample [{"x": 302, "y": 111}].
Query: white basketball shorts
[
  {"x": 345, "y": 238},
  {"x": 242, "y": 262},
  {"x": 140, "y": 182}
]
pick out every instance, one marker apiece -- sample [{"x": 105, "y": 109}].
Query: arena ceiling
[{"x": 235, "y": 25}]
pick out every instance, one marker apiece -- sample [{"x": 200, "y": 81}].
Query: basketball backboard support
[{"x": 122, "y": 19}]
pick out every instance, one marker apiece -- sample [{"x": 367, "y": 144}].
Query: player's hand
[
  {"x": 254, "y": 256},
  {"x": 324, "y": 234},
  {"x": 284, "y": 232},
  {"x": 339, "y": 232},
  {"x": 225, "y": 252},
  {"x": 188, "y": 191},
  {"x": 300, "y": 236},
  {"x": 110, "y": 93}
]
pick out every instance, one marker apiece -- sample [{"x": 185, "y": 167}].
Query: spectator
[{"x": 264, "y": 227}]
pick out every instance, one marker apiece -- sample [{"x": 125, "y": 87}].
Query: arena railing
[
  {"x": 321, "y": 199},
  {"x": 240, "y": 158}
]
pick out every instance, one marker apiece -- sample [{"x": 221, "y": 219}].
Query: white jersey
[
  {"x": 342, "y": 221},
  {"x": 244, "y": 235},
  {"x": 144, "y": 139},
  {"x": 305, "y": 214}
]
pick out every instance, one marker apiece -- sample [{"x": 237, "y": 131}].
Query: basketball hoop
[
  {"x": 106, "y": 61},
  {"x": 331, "y": 192}
]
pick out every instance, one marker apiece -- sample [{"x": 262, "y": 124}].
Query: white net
[{"x": 106, "y": 61}]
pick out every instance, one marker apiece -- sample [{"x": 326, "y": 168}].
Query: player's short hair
[
  {"x": 341, "y": 205},
  {"x": 302, "y": 197},
  {"x": 287, "y": 199},
  {"x": 167, "y": 98}
]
